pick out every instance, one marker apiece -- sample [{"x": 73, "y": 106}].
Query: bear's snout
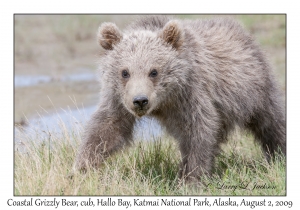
[
  {"x": 140, "y": 102},
  {"x": 140, "y": 105}
]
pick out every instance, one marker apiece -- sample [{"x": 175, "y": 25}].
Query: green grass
[{"x": 146, "y": 168}]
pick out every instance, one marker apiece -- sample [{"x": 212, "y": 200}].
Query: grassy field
[
  {"x": 146, "y": 168},
  {"x": 58, "y": 45}
]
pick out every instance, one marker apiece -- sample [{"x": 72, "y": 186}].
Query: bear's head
[{"x": 142, "y": 67}]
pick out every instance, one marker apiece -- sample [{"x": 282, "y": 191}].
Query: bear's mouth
[
  {"x": 140, "y": 105},
  {"x": 140, "y": 112}
]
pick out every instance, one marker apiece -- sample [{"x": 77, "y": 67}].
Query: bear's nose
[{"x": 140, "y": 101}]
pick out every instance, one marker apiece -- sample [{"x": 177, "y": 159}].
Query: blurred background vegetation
[{"x": 59, "y": 45}]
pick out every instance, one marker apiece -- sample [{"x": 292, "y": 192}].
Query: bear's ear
[
  {"x": 172, "y": 34},
  {"x": 109, "y": 35}
]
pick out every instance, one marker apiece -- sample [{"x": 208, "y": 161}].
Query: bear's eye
[
  {"x": 125, "y": 74},
  {"x": 153, "y": 73}
]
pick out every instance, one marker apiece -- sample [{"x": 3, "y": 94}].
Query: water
[
  {"x": 72, "y": 121},
  {"x": 32, "y": 80},
  {"x": 79, "y": 77},
  {"x": 24, "y": 80}
]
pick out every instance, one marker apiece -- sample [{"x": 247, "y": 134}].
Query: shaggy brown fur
[{"x": 198, "y": 78}]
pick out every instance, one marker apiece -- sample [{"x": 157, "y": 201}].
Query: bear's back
[{"x": 151, "y": 23}]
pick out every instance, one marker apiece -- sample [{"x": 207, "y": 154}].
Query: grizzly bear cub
[{"x": 198, "y": 78}]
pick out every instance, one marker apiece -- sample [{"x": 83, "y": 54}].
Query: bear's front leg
[
  {"x": 197, "y": 158},
  {"x": 199, "y": 146},
  {"x": 106, "y": 132}
]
